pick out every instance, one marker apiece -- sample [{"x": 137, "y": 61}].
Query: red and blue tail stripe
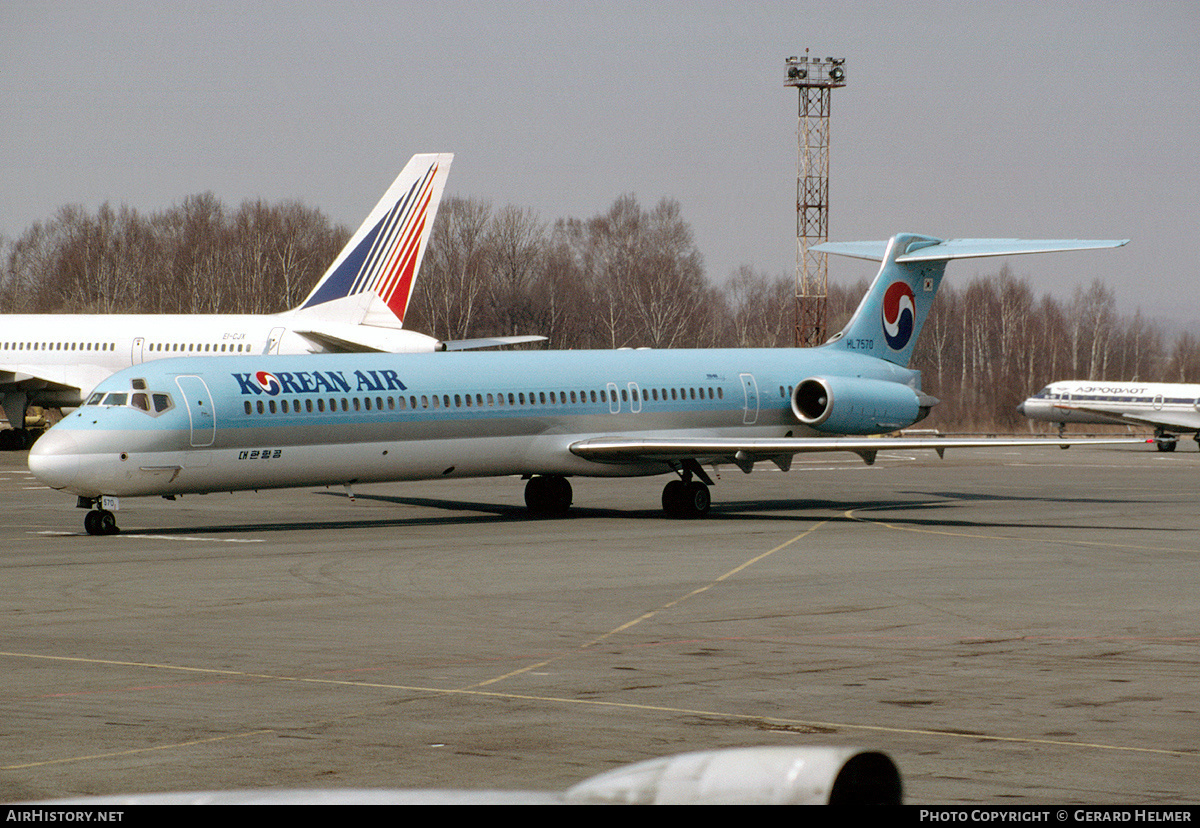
[{"x": 383, "y": 258}]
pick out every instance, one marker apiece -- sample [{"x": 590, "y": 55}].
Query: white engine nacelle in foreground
[{"x": 750, "y": 776}]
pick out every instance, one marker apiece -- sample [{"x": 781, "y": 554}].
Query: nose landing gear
[{"x": 100, "y": 522}]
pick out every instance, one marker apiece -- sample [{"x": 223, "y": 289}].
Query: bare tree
[
  {"x": 517, "y": 243},
  {"x": 455, "y": 271},
  {"x": 758, "y": 310}
]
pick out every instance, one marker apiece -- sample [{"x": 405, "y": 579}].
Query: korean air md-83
[{"x": 179, "y": 426}]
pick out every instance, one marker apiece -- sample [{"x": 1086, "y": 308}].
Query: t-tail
[
  {"x": 371, "y": 280},
  {"x": 890, "y": 317}
]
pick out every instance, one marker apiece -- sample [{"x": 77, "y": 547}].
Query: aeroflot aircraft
[
  {"x": 249, "y": 422},
  {"x": 54, "y": 360},
  {"x": 1169, "y": 408}
]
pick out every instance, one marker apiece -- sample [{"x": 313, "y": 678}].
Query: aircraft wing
[
  {"x": 744, "y": 452},
  {"x": 13, "y": 377},
  {"x": 82, "y": 378},
  {"x": 1164, "y": 421}
]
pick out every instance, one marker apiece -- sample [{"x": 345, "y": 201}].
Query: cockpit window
[{"x": 152, "y": 404}]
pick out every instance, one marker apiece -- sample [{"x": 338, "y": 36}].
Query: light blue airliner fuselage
[{"x": 262, "y": 422}]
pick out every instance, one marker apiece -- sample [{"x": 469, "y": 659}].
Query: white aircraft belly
[{"x": 225, "y": 469}]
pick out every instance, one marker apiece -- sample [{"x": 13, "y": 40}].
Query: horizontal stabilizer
[
  {"x": 925, "y": 249},
  {"x": 363, "y": 339},
  {"x": 488, "y": 342},
  {"x": 339, "y": 345}
]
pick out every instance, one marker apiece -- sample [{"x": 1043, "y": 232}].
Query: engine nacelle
[
  {"x": 750, "y": 776},
  {"x": 853, "y": 405}
]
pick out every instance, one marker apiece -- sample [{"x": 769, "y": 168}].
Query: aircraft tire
[
  {"x": 100, "y": 522},
  {"x": 1166, "y": 445},
  {"x": 698, "y": 500},
  {"x": 686, "y": 500},
  {"x": 672, "y": 498},
  {"x": 548, "y": 495},
  {"x": 108, "y": 523}
]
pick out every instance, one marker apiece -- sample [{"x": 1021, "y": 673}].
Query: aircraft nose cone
[
  {"x": 54, "y": 459},
  {"x": 1021, "y": 409}
]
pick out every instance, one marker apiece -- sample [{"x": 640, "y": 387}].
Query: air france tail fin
[
  {"x": 371, "y": 280},
  {"x": 890, "y": 317}
]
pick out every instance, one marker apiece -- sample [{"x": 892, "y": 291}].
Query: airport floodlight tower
[{"x": 814, "y": 78}]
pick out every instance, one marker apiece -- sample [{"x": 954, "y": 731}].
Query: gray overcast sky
[{"x": 1017, "y": 119}]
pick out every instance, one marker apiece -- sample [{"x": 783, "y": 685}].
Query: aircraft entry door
[
  {"x": 200, "y": 409},
  {"x": 750, "y": 390}
]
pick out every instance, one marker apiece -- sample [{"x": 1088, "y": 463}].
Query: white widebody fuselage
[{"x": 71, "y": 353}]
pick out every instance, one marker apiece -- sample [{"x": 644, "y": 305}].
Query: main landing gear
[
  {"x": 690, "y": 499},
  {"x": 1164, "y": 441},
  {"x": 548, "y": 495},
  {"x": 1167, "y": 442},
  {"x": 685, "y": 497}
]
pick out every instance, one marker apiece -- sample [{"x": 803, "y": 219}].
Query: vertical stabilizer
[
  {"x": 376, "y": 270},
  {"x": 890, "y": 317}
]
